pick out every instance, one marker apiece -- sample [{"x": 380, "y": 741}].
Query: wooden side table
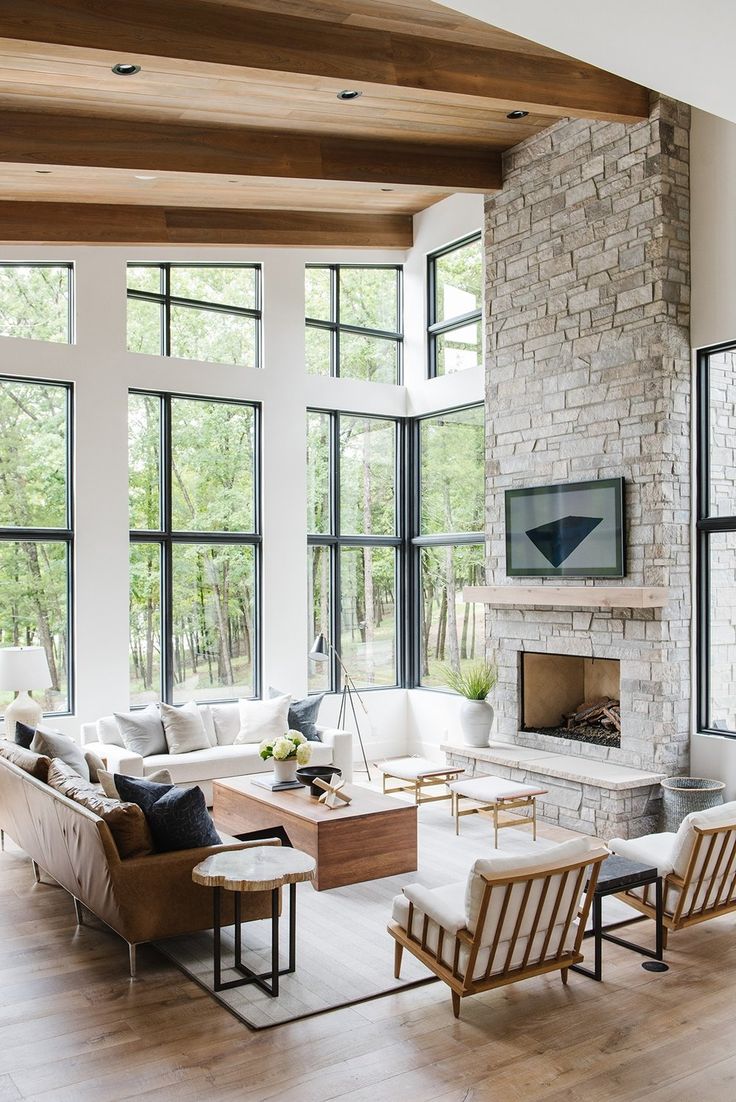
[{"x": 258, "y": 869}]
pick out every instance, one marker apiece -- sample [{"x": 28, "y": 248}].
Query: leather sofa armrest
[
  {"x": 342, "y": 748},
  {"x": 118, "y": 759}
]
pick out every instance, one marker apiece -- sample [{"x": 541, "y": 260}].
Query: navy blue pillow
[
  {"x": 177, "y": 817},
  {"x": 180, "y": 820},
  {"x": 24, "y": 734},
  {"x": 135, "y": 790},
  {"x": 303, "y": 714}
]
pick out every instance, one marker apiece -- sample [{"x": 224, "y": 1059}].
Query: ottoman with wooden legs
[
  {"x": 495, "y": 795},
  {"x": 416, "y": 775}
]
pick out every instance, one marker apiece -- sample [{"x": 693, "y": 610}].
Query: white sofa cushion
[
  {"x": 263, "y": 719},
  {"x": 217, "y": 762},
  {"x": 184, "y": 728},
  {"x": 226, "y": 720},
  {"x": 142, "y": 732}
]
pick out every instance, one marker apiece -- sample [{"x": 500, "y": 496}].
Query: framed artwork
[{"x": 573, "y": 530}]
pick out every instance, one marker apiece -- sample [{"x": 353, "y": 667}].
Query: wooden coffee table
[{"x": 372, "y": 837}]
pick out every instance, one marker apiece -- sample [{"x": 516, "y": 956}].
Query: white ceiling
[{"x": 682, "y": 48}]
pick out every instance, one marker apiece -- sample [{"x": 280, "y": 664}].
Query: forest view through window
[
  {"x": 354, "y": 322},
  {"x": 36, "y": 529},
  {"x": 194, "y": 548},
  {"x": 354, "y": 544},
  {"x": 36, "y": 302},
  {"x": 455, "y": 278},
  {"x": 202, "y": 312}
]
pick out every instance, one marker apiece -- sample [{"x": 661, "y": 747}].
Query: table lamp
[{"x": 23, "y": 669}]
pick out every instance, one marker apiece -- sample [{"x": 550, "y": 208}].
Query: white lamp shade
[{"x": 24, "y": 668}]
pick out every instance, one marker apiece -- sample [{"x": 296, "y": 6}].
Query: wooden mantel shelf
[{"x": 572, "y": 596}]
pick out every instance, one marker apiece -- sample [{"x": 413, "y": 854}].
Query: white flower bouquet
[{"x": 288, "y": 747}]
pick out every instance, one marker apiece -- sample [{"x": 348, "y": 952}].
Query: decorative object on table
[
  {"x": 23, "y": 669},
  {"x": 681, "y": 795},
  {"x": 286, "y": 752},
  {"x": 571, "y": 530},
  {"x": 476, "y": 714},
  {"x": 262, "y": 868},
  {"x": 321, "y": 650},
  {"x": 332, "y": 796},
  {"x": 495, "y": 794},
  {"x": 697, "y": 865},
  {"x": 416, "y": 774},
  {"x": 307, "y": 774}
]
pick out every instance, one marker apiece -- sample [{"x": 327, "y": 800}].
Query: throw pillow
[
  {"x": 24, "y": 734},
  {"x": 226, "y": 718},
  {"x": 263, "y": 719},
  {"x": 140, "y": 791},
  {"x": 126, "y": 821},
  {"x": 142, "y": 732},
  {"x": 183, "y": 728},
  {"x": 55, "y": 745},
  {"x": 303, "y": 714},
  {"x": 209, "y": 723},
  {"x": 95, "y": 765},
  {"x": 180, "y": 820},
  {"x": 107, "y": 780},
  {"x": 35, "y": 764}
]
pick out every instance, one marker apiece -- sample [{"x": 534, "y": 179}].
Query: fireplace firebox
[{"x": 572, "y": 697}]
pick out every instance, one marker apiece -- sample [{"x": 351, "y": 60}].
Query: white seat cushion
[
  {"x": 409, "y": 769},
  {"x": 655, "y": 850},
  {"x": 217, "y": 762},
  {"x": 489, "y": 790}
]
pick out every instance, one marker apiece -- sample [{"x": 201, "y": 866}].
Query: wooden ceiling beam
[
  {"x": 115, "y": 224},
  {"x": 31, "y": 137},
  {"x": 255, "y": 39}
]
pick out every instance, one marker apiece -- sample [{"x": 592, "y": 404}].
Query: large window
[
  {"x": 194, "y": 556},
  {"x": 448, "y": 547},
  {"x": 354, "y": 322},
  {"x": 354, "y": 545},
  {"x": 455, "y": 288},
  {"x": 716, "y": 540},
  {"x": 36, "y": 302},
  {"x": 196, "y": 312},
  {"x": 36, "y": 529}
]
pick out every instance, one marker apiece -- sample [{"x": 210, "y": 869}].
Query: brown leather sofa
[{"x": 141, "y": 898}]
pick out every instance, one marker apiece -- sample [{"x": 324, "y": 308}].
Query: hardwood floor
[{"x": 73, "y": 1027}]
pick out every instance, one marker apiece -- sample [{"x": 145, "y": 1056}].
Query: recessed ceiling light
[
  {"x": 125, "y": 69},
  {"x": 517, "y": 114},
  {"x": 349, "y": 93},
  {"x": 146, "y": 177}
]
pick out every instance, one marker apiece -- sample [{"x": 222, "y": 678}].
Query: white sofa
[{"x": 222, "y": 759}]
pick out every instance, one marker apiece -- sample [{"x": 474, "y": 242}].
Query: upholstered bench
[
  {"x": 417, "y": 774},
  {"x": 495, "y": 794}
]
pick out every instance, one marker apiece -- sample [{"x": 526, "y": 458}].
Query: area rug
[{"x": 344, "y": 954}]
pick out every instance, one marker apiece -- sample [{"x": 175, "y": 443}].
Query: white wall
[
  {"x": 713, "y": 229},
  {"x": 102, "y": 371}
]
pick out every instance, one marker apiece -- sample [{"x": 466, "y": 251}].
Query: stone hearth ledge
[{"x": 602, "y": 774}]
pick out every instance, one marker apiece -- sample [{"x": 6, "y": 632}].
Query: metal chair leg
[
  {"x": 78, "y": 911},
  {"x": 36, "y": 872},
  {"x": 132, "y": 955}
]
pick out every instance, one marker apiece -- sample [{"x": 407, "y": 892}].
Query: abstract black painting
[{"x": 573, "y": 530}]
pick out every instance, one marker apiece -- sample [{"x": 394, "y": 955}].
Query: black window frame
[
  {"x": 334, "y": 541},
  {"x": 335, "y": 327},
  {"x": 706, "y": 525},
  {"x": 447, "y": 325},
  {"x": 56, "y": 535},
  {"x": 165, "y": 300},
  {"x": 418, "y": 540},
  {"x": 166, "y": 537},
  {"x": 68, "y": 265}
]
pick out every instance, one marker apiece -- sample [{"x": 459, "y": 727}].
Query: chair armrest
[
  {"x": 119, "y": 760},
  {"x": 656, "y": 850},
  {"x": 188, "y": 858},
  {"x": 452, "y": 919},
  {"x": 342, "y": 749}
]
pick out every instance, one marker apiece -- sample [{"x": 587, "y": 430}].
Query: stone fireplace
[{"x": 571, "y": 696}]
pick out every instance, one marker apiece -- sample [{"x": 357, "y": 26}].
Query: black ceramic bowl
[{"x": 306, "y": 774}]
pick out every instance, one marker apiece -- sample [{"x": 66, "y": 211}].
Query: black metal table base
[
  {"x": 602, "y": 933},
  {"x": 266, "y": 981}
]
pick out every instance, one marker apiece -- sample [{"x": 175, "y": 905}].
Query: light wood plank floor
[{"x": 73, "y": 1027}]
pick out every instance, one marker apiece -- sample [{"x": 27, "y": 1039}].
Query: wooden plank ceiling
[{"x": 232, "y": 131}]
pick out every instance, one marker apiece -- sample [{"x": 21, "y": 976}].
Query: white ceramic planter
[
  {"x": 284, "y": 770},
  {"x": 476, "y": 717}
]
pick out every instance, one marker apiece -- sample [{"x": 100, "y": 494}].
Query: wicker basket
[{"x": 685, "y": 794}]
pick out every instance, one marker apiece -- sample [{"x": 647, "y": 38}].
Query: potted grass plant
[{"x": 474, "y": 683}]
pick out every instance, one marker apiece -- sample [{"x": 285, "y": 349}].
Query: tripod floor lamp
[{"x": 321, "y": 650}]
